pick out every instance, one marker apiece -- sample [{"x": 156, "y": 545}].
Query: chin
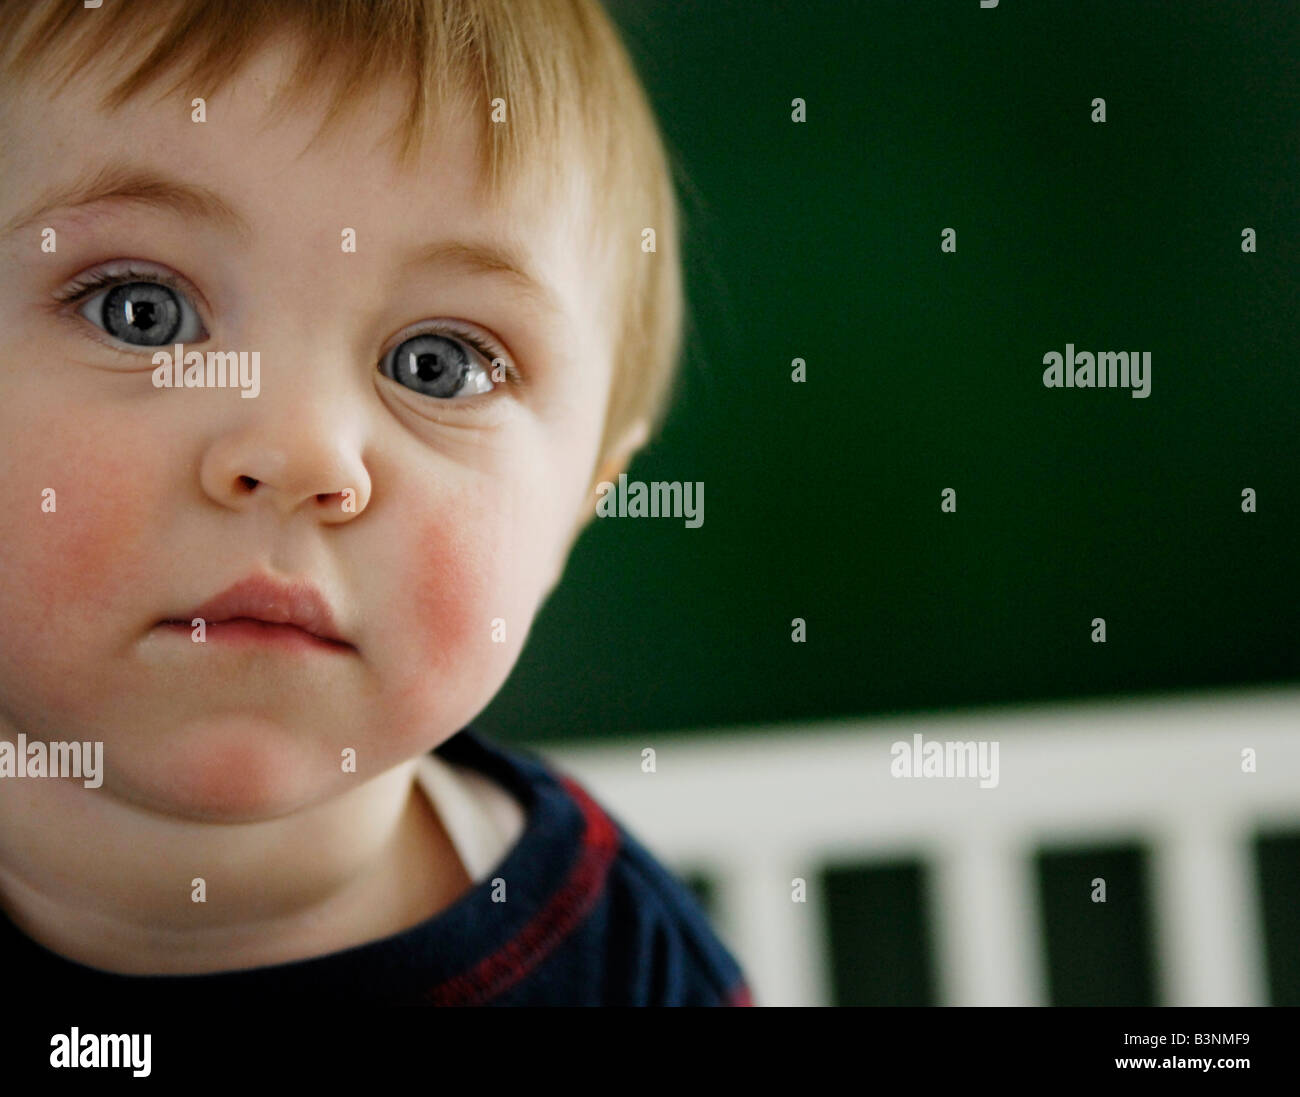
[{"x": 227, "y": 770}]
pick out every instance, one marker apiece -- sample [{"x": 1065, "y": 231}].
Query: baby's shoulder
[
  {"x": 603, "y": 921},
  {"x": 664, "y": 949}
]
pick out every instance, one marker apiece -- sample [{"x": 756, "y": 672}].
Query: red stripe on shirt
[
  {"x": 496, "y": 973},
  {"x": 739, "y": 996}
]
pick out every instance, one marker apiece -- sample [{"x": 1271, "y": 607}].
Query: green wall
[{"x": 821, "y": 241}]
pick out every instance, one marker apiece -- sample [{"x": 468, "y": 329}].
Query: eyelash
[{"x": 89, "y": 285}]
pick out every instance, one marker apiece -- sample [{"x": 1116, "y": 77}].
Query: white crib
[{"x": 754, "y": 808}]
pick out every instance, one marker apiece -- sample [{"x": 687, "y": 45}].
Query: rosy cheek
[
  {"x": 457, "y": 576},
  {"x": 101, "y": 522},
  {"x": 73, "y": 554},
  {"x": 452, "y": 585}
]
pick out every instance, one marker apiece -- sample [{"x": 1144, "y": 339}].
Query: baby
[{"x": 431, "y": 248}]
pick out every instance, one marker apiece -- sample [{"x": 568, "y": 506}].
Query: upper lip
[{"x": 263, "y": 598}]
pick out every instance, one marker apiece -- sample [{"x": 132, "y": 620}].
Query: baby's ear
[{"x": 616, "y": 460}]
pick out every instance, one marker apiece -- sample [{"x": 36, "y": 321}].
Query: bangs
[{"x": 461, "y": 55}]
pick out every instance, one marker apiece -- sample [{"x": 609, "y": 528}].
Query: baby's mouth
[
  {"x": 265, "y": 610},
  {"x": 251, "y": 629}
]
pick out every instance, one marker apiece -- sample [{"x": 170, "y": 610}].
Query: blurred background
[{"x": 1120, "y": 760}]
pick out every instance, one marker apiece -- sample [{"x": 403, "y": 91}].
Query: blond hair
[{"x": 571, "y": 87}]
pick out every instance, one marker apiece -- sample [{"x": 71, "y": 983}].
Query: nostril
[{"x": 247, "y": 482}]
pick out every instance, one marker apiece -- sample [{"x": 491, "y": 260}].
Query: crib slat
[
  {"x": 1208, "y": 937},
  {"x": 986, "y": 923},
  {"x": 785, "y": 938}
]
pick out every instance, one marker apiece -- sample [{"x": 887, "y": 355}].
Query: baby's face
[{"x": 423, "y": 498}]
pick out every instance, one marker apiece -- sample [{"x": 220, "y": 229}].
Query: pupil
[
  {"x": 427, "y": 367},
  {"x": 141, "y": 315}
]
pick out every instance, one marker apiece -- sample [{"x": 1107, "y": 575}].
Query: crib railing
[{"x": 756, "y": 809}]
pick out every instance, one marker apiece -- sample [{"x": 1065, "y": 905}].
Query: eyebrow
[
  {"x": 119, "y": 182},
  {"x": 489, "y": 257},
  {"x": 130, "y": 183}
]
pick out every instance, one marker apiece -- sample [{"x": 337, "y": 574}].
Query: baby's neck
[{"x": 105, "y": 884}]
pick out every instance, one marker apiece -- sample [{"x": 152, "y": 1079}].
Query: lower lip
[{"x": 245, "y": 631}]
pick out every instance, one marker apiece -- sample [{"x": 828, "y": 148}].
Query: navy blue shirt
[{"x": 590, "y": 918}]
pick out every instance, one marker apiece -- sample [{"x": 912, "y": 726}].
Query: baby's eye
[
  {"x": 145, "y": 314},
  {"x": 437, "y": 366}
]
